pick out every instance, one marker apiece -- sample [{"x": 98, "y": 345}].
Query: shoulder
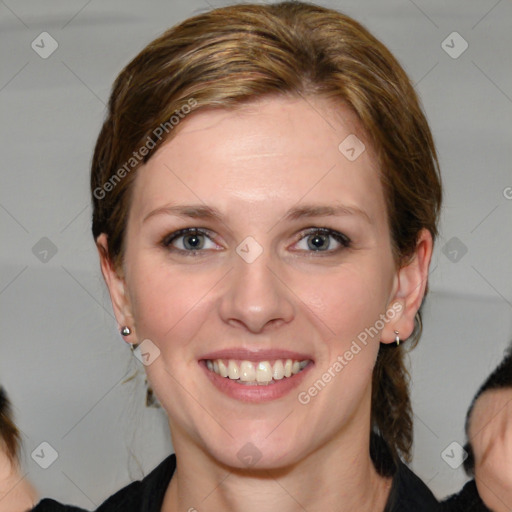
[
  {"x": 47, "y": 505},
  {"x": 409, "y": 493},
  {"x": 467, "y": 500},
  {"x": 143, "y": 495}
]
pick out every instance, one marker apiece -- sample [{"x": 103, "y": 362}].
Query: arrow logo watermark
[
  {"x": 44, "y": 45},
  {"x": 351, "y": 147},
  {"x": 249, "y": 454},
  {"x": 146, "y": 352},
  {"x": 249, "y": 249},
  {"x": 454, "y": 455},
  {"x": 454, "y": 45},
  {"x": 44, "y": 455},
  {"x": 44, "y": 250},
  {"x": 454, "y": 249}
]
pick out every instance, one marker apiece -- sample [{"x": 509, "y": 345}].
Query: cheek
[
  {"x": 171, "y": 305},
  {"x": 347, "y": 300},
  {"x": 162, "y": 299}
]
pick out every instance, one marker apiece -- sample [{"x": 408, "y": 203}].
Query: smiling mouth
[{"x": 260, "y": 373}]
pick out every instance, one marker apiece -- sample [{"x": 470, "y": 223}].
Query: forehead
[
  {"x": 272, "y": 153},
  {"x": 488, "y": 405}
]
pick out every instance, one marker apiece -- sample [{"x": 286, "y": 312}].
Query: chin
[{"x": 259, "y": 451}]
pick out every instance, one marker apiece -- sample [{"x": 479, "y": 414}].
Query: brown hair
[
  {"x": 233, "y": 55},
  {"x": 9, "y": 434}
]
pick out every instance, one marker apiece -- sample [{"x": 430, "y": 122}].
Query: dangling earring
[
  {"x": 397, "y": 339},
  {"x": 126, "y": 331}
]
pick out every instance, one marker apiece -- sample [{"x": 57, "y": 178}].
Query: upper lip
[{"x": 255, "y": 355}]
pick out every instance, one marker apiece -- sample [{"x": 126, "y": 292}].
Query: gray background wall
[{"x": 61, "y": 357}]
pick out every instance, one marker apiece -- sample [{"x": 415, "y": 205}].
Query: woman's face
[
  {"x": 490, "y": 432},
  {"x": 290, "y": 259}
]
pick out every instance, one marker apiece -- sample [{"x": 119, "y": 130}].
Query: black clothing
[
  {"x": 408, "y": 493},
  {"x": 145, "y": 495},
  {"x": 467, "y": 500}
]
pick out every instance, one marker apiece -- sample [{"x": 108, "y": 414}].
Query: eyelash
[{"x": 341, "y": 238}]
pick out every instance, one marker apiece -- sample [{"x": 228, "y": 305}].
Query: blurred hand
[{"x": 491, "y": 438}]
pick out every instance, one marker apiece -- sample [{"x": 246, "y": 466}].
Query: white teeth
[
  {"x": 223, "y": 371},
  {"x": 247, "y": 371},
  {"x": 264, "y": 372},
  {"x": 233, "y": 370},
  {"x": 260, "y": 373},
  {"x": 278, "y": 372},
  {"x": 288, "y": 368}
]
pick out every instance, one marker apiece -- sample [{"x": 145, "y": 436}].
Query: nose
[{"x": 255, "y": 295}]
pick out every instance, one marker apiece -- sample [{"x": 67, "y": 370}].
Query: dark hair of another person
[
  {"x": 500, "y": 378},
  {"x": 9, "y": 434}
]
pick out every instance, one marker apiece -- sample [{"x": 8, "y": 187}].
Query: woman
[
  {"x": 489, "y": 447},
  {"x": 266, "y": 196},
  {"x": 16, "y": 493}
]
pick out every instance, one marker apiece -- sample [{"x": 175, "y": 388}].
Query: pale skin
[
  {"x": 16, "y": 493},
  {"x": 490, "y": 433},
  {"x": 253, "y": 166}
]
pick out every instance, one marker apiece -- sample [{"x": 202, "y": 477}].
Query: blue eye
[
  {"x": 196, "y": 241},
  {"x": 324, "y": 240},
  {"x": 189, "y": 240}
]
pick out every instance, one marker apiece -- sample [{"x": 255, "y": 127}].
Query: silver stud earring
[
  {"x": 397, "y": 339},
  {"x": 126, "y": 331}
]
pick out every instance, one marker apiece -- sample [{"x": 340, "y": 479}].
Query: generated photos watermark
[
  {"x": 344, "y": 359},
  {"x": 138, "y": 156}
]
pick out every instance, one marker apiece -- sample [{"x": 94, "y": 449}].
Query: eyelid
[
  {"x": 171, "y": 237},
  {"x": 341, "y": 238}
]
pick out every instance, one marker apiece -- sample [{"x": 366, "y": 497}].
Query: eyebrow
[
  {"x": 199, "y": 211},
  {"x": 338, "y": 210}
]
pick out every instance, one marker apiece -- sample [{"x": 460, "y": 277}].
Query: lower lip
[{"x": 255, "y": 393}]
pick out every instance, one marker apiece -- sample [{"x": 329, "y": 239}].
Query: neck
[
  {"x": 15, "y": 492},
  {"x": 339, "y": 476}
]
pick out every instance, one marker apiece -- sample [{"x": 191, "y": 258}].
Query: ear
[
  {"x": 410, "y": 285},
  {"x": 117, "y": 289}
]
